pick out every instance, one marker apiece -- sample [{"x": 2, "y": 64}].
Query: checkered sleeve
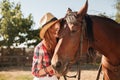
[{"x": 37, "y": 60}]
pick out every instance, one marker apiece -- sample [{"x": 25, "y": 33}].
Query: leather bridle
[{"x": 83, "y": 26}]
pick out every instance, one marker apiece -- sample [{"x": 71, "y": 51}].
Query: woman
[{"x": 43, "y": 52}]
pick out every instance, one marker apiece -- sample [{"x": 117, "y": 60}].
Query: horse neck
[{"x": 106, "y": 34}]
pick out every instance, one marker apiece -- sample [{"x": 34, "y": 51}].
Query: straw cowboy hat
[{"x": 46, "y": 22}]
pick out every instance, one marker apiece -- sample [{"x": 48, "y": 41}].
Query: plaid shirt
[{"x": 41, "y": 59}]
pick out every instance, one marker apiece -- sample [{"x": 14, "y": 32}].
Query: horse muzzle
[{"x": 61, "y": 68}]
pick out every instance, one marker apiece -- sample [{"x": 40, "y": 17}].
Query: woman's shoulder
[
  {"x": 40, "y": 44},
  {"x": 39, "y": 48}
]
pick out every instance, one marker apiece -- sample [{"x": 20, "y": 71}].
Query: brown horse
[{"x": 101, "y": 33}]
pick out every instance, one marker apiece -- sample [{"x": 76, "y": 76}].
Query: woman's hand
[
  {"x": 48, "y": 70},
  {"x": 52, "y": 71}
]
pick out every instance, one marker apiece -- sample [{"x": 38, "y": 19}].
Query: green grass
[
  {"x": 20, "y": 77},
  {"x": 24, "y": 77},
  {"x": 4, "y": 77},
  {"x": 8, "y": 75}
]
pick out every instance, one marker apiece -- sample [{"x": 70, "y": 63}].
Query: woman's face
[{"x": 54, "y": 29}]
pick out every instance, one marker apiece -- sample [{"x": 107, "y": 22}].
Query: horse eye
[{"x": 73, "y": 31}]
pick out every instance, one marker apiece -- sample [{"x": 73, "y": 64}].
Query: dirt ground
[
  {"x": 85, "y": 75},
  {"x": 88, "y": 72}
]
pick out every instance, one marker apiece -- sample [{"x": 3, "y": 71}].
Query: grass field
[{"x": 88, "y": 72}]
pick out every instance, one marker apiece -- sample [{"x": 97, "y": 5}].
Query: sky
[{"x": 59, "y": 7}]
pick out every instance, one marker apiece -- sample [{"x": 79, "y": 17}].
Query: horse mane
[
  {"x": 105, "y": 18},
  {"x": 89, "y": 28},
  {"x": 71, "y": 18},
  {"x": 89, "y": 25}
]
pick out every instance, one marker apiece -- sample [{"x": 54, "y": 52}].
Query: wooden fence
[
  {"x": 23, "y": 57},
  {"x": 16, "y": 56}
]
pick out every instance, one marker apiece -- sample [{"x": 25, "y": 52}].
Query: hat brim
[{"x": 46, "y": 27}]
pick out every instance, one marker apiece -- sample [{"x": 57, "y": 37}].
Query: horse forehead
[{"x": 63, "y": 31}]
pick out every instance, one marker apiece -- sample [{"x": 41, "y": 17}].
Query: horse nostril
[{"x": 58, "y": 64}]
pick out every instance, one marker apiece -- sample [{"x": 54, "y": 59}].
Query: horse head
[{"x": 66, "y": 51}]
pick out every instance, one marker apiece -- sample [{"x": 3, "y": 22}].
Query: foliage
[
  {"x": 118, "y": 11},
  {"x": 15, "y": 29},
  {"x": 103, "y": 15},
  {"x": 33, "y": 35}
]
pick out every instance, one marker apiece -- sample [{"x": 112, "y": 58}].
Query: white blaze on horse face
[
  {"x": 55, "y": 56},
  {"x": 70, "y": 26},
  {"x": 54, "y": 59}
]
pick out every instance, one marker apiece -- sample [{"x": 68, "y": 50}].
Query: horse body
[{"x": 106, "y": 40}]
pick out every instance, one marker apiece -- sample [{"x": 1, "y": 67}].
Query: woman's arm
[{"x": 37, "y": 65}]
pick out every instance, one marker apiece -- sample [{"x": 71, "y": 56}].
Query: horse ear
[
  {"x": 83, "y": 10},
  {"x": 69, "y": 10}
]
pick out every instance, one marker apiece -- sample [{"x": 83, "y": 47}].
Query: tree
[
  {"x": 15, "y": 29},
  {"x": 33, "y": 37},
  {"x": 118, "y": 11}
]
